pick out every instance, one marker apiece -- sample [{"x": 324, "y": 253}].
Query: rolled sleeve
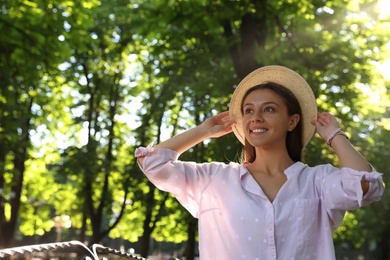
[
  {"x": 184, "y": 180},
  {"x": 343, "y": 188},
  {"x": 376, "y": 188},
  {"x": 351, "y": 181}
]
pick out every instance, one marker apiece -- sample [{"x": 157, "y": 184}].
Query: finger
[
  {"x": 316, "y": 123},
  {"x": 225, "y": 119},
  {"x": 325, "y": 117},
  {"x": 224, "y": 113},
  {"x": 321, "y": 121}
]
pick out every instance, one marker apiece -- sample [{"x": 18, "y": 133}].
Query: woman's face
[{"x": 265, "y": 119}]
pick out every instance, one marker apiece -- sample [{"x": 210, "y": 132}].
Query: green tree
[
  {"x": 27, "y": 55},
  {"x": 95, "y": 73}
]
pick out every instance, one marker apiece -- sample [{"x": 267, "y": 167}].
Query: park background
[{"x": 84, "y": 83}]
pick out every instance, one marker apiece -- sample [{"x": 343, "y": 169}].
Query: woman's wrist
[
  {"x": 203, "y": 132},
  {"x": 333, "y": 134}
]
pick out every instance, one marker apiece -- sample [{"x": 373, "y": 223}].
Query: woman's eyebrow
[{"x": 265, "y": 103}]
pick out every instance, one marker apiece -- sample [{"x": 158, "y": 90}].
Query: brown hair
[{"x": 294, "y": 139}]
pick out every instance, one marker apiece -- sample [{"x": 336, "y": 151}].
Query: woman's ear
[{"x": 294, "y": 120}]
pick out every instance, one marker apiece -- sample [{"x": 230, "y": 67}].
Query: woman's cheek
[{"x": 245, "y": 122}]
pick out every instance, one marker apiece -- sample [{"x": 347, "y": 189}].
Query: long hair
[{"x": 294, "y": 139}]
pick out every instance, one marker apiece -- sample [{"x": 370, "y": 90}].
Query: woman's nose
[{"x": 258, "y": 117}]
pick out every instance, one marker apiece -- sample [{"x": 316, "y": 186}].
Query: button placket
[{"x": 270, "y": 222}]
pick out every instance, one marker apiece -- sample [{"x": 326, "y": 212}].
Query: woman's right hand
[
  {"x": 214, "y": 126},
  {"x": 218, "y": 125}
]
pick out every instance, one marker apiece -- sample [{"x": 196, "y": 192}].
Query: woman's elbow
[
  {"x": 365, "y": 186},
  {"x": 140, "y": 161}
]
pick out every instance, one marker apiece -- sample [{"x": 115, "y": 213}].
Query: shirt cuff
[
  {"x": 144, "y": 151},
  {"x": 371, "y": 176}
]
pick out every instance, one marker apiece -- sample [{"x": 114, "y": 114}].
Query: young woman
[{"x": 271, "y": 206}]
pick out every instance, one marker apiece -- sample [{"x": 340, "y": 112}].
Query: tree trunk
[
  {"x": 8, "y": 227},
  {"x": 145, "y": 238},
  {"x": 191, "y": 242},
  {"x": 384, "y": 245},
  {"x": 83, "y": 230}
]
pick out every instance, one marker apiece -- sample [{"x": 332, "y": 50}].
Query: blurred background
[{"x": 84, "y": 83}]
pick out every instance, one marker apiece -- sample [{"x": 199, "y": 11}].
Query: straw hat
[{"x": 282, "y": 76}]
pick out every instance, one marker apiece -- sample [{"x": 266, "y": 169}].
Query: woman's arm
[
  {"x": 215, "y": 126},
  {"x": 348, "y": 156}
]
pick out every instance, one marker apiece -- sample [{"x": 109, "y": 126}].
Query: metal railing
[{"x": 82, "y": 251}]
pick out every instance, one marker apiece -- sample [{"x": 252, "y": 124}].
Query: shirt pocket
[{"x": 307, "y": 214}]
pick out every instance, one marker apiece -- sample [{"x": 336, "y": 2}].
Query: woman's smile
[{"x": 259, "y": 130}]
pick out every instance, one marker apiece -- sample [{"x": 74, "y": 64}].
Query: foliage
[{"x": 86, "y": 82}]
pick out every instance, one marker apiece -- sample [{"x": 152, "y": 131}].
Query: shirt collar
[{"x": 295, "y": 168}]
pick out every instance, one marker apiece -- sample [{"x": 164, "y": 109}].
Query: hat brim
[{"x": 282, "y": 76}]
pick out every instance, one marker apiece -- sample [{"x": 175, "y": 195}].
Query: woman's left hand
[{"x": 325, "y": 124}]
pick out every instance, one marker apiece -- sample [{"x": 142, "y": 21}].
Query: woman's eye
[
  {"x": 248, "y": 111},
  {"x": 269, "y": 109}
]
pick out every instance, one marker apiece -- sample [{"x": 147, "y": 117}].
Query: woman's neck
[{"x": 270, "y": 162}]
